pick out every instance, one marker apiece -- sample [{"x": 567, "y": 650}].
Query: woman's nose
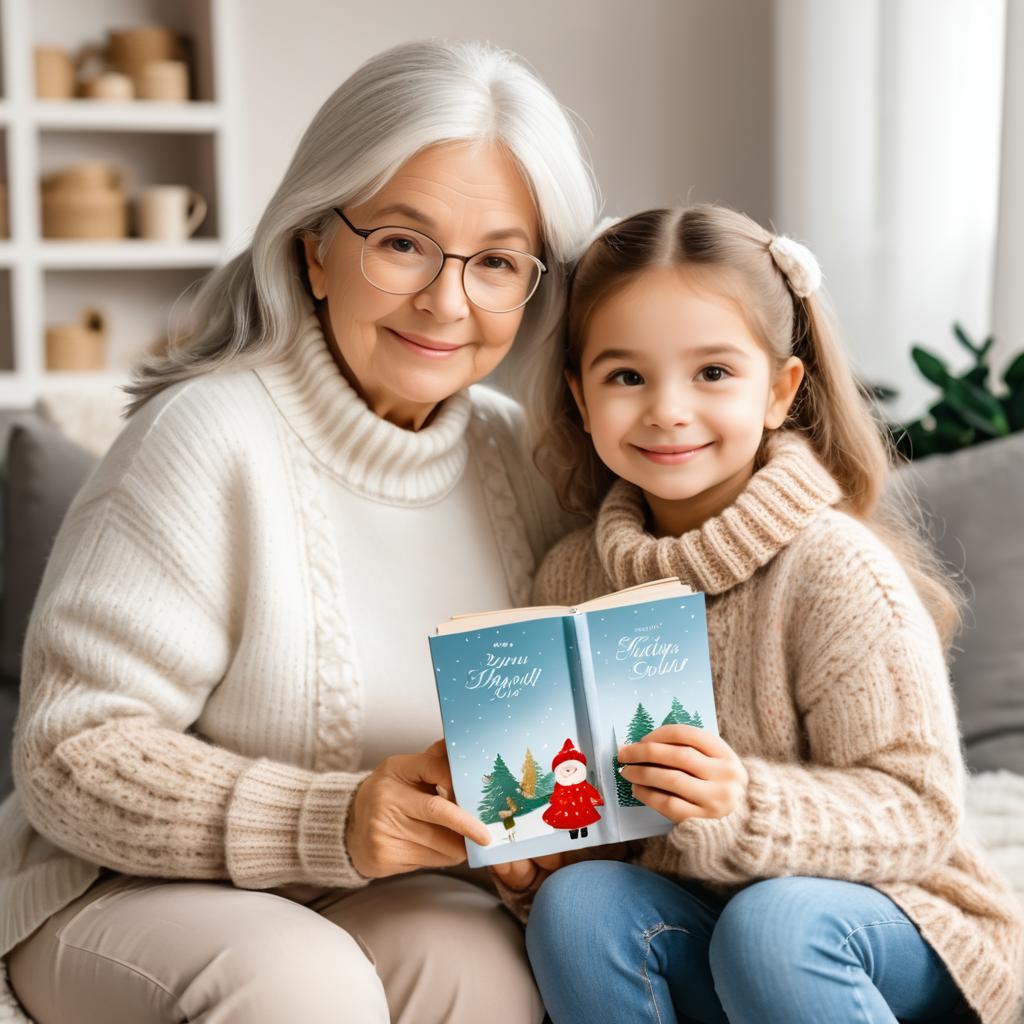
[{"x": 445, "y": 297}]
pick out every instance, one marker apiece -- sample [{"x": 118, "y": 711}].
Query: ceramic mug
[
  {"x": 169, "y": 213},
  {"x": 55, "y": 73},
  {"x": 165, "y": 80}
]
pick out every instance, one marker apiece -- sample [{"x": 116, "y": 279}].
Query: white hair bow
[{"x": 797, "y": 262}]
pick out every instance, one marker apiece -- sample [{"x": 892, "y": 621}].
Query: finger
[
  {"x": 516, "y": 874},
  {"x": 672, "y": 807},
  {"x": 689, "y": 735},
  {"x": 671, "y": 755},
  {"x": 437, "y": 749},
  {"x": 439, "y": 811},
  {"x": 552, "y": 862},
  {"x": 670, "y": 780},
  {"x": 423, "y": 770},
  {"x": 416, "y": 855},
  {"x": 433, "y": 837}
]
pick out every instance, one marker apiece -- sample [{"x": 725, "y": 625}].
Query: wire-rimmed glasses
[{"x": 402, "y": 261}]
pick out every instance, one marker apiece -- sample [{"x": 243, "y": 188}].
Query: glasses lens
[
  {"x": 500, "y": 280},
  {"x": 400, "y": 261}
]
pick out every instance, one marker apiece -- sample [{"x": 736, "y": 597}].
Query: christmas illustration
[
  {"x": 534, "y": 711},
  {"x": 574, "y": 802}
]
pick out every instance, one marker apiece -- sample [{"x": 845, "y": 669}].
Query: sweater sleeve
[
  {"x": 879, "y": 795},
  {"x": 128, "y": 639}
]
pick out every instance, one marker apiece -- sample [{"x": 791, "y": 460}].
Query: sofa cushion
[
  {"x": 973, "y": 502},
  {"x": 44, "y": 472}
]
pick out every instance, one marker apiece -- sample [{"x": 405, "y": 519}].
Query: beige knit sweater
[{"x": 831, "y": 685}]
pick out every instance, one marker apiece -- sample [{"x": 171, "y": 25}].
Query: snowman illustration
[{"x": 574, "y": 801}]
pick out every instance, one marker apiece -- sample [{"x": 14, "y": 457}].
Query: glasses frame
[{"x": 365, "y": 233}]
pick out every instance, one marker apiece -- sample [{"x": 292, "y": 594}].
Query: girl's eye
[
  {"x": 630, "y": 378},
  {"x": 713, "y": 374}
]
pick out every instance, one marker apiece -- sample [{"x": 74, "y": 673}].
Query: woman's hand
[
  {"x": 685, "y": 772},
  {"x": 521, "y": 874},
  {"x": 399, "y": 822}
]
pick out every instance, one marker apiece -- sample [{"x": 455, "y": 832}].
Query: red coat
[{"x": 573, "y": 806}]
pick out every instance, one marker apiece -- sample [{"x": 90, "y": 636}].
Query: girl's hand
[
  {"x": 399, "y": 822},
  {"x": 521, "y": 874},
  {"x": 685, "y": 772}
]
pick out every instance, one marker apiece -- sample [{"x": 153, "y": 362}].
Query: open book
[{"x": 536, "y": 702}]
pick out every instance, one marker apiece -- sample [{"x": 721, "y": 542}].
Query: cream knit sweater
[
  {"x": 831, "y": 685},
  {"x": 190, "y": 703}
]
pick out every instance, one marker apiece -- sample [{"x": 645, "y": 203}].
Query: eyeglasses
[{"x": 401, "y": 261}]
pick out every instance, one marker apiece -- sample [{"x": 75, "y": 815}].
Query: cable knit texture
[
  {"x": 831, "y": 685},
  {"x": 190, "y": 700}
]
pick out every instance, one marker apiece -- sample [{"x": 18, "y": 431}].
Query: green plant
[{"x": 968, "y": 413}]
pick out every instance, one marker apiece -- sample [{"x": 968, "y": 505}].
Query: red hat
[{"x": 567, "y": 753}]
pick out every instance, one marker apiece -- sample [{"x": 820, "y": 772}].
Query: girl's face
[
  {"x": 406, "y": 353},
  {"x": 676, "y": 392}
]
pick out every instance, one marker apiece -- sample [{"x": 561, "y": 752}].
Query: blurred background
[{"x": 140, "y": 140}]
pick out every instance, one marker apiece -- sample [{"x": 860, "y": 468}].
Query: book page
[
  {"x": 668, "y": 587},
  {"x": 510, "y": 698},
  {"x": 651, "y": 667}
]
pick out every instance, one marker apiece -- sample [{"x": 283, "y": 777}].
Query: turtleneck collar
[
  {"x": 730, "y": 547},
  {"x": 368, "y": 454}
]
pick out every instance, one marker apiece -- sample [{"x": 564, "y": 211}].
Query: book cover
[{"x": 535, "y": 709}]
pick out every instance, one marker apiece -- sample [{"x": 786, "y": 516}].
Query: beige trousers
[{"x": 415, "y": 949}]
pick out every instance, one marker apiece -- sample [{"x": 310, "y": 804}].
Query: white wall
[{"x": 674, "y": 93}]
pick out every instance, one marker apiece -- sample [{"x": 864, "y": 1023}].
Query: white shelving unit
[{"x": 134, "y": 282}]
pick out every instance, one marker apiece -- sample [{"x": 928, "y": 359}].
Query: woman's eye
[
  {"x": 400, "y": 244},
  {"x": 630, "y": 378},
  {"x": 494, "y": 262},
  {"x": 712, "y": 374}
]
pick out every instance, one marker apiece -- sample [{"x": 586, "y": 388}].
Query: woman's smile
[{"x": 428, "y": 348}]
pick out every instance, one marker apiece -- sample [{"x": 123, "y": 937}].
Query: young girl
[{"x": 816, "y": 872}]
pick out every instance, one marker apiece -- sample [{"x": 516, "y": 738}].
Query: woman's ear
[
  {"x": 314, "y": 268},
  {"x": 577, "y": 393},
  {"x": 783, "y": 391}
]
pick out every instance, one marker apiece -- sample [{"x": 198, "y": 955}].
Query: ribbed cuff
[
  {"x": 287, "y": 825},
  {"x": 519, "y": 901}
]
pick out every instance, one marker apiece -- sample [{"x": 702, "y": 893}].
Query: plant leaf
[
  {"x": 977, "y": 407},
  {"x": 964, "y": 339},
  {"x": 933, "y": 368},
  {"x": 1014, "y": 374}
]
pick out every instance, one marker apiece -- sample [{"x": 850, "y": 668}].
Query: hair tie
[{"x": 797, "y": 263}]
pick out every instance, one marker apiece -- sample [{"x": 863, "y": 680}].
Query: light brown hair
[{"x": 728, "y": 253}]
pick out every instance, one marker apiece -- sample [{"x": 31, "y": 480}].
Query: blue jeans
[{"x": 610, "y": 941}]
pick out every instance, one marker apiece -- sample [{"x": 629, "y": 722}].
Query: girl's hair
[
  {"x": 727, "y": 253},
  {"x": 410, "y": 97}
]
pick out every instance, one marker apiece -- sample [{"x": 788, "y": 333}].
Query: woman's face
[{"x": 406, "y": 353}]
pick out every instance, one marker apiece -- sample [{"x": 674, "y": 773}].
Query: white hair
[{"x": 399, "y": 102}]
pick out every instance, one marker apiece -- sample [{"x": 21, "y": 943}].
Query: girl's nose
[
  {"x": 669, "y": 407},
  {"x": 445, "y": 297}
]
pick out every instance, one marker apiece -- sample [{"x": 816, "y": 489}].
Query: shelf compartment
[
  {"x": 146, "y": 158},
  {"x": 137, "y": 306}
]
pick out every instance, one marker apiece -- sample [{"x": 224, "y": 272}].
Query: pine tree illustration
[
  {"x": 678, "y": 715},
  {"x": 695, "y": 719},
  {"x": 640, "y": 726},
  {"x": 531, "y": 770},
  {"x": 546, "y": 786},
  {"x": 498, "y": 787},
  {"x": 623, "y": 789}
]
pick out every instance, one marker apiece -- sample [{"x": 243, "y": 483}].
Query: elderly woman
[{"x": 226, "y": 760}]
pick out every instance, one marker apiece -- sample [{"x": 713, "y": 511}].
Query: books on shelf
[{"x": 537, "y": 701}]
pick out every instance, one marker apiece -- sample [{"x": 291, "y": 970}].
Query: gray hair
[{"x": 248, "y": 311}]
